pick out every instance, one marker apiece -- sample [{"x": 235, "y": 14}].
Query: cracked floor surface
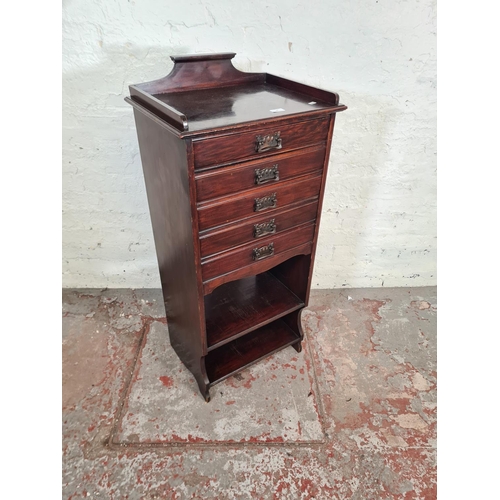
[{"x": 353, "y": 416}]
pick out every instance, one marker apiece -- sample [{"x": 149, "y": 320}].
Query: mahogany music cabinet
[{"x": 235, "y": 166}]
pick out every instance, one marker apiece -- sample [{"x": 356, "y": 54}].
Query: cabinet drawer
[
  {"x": 257, "y": 228},
  {"x": 266, "y": 249},
  {"x": 227, "y": 180},
  {"x": 266, "y": 200},
  {"x": 261, "y": 141}
]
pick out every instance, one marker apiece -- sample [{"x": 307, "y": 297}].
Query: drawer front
[
  {"x": 266, "y": 200},
  {"x": 265, "y": 249},
  {"x": 257, "y": 228},
  {"x": 260, "y": 142},
  {"x": 227, "y": 180}
]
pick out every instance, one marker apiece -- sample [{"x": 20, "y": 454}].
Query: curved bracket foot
[
  {"x": 203, "y": 382},
  {"x": 294, "y": 322}
]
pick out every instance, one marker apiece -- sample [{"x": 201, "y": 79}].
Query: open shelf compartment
[
  {"x": 236, "y": 308},
  {"x": 247, "y": 350}
]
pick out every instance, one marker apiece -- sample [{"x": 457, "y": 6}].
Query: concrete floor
[{"x": 353, "y": 416}]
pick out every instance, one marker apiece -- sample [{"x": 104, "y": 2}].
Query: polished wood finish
[
  {"x": 239, "y": 233},
  {"x": 320, "y": 204},
  {"x": 257, "y": 267},
  {"x": 227, "y": 180},
  {"x": 165, "y": 163},
  {"x": 232, "y": 260},
  {"x": 332, "y": 98},
  {"x": 235, "y": 167},
  {"x": 234, "y": 98},
  {"x": 228, "y": 148},
  {"x": 199, "y": 72},
  {"x": 248, "y": 203},
  {"x": 218, "y": 107}
]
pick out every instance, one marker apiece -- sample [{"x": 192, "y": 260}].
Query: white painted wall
[{"x": 379, "y": 219}]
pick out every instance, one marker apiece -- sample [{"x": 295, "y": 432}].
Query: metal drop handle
[
  {"x": 270, "y": 201},
  {"x": 263, "y": 175},
  {"x": 264, "y": 228},
  {"x": 263, "y": 252},
  {"x": 268, "y": 142}
]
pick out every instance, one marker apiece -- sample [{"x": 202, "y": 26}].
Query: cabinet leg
[
  {"x": 293, "y": 321},
  {"x": 205, "y": 391},
  {"x": 203, "y": 382}
]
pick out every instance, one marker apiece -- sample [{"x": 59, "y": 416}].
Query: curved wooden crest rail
[{"x": 235, "y": 166}]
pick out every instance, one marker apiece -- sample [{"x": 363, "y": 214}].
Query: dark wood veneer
[
  {"x": 234, "y": 179},
  {"x": 212, "y": 151},
  {"x": 256, "y": 268},
  {"x": 225, "y": 210},
  {"x": 235, "y": 167},
  {"x": 167, "y": 186},
  {"x": 242, "y": 256},
  {"x": 239, "y": 233}
]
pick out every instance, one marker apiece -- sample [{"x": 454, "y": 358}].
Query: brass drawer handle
[
  {"x": 267, "y": 142},
  {"x": 264, "y": 228},
  {"x": 263, "y": 175},
  {"x": 270, "y": 201},
  {"x": 263, "y": 252}
]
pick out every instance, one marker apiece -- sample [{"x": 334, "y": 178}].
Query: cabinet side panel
[
  {"x": 165, "y": 165},
  {"x": 320, "y": 203}
]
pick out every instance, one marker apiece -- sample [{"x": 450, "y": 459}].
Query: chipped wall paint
[{"x": 379, "y": 219}]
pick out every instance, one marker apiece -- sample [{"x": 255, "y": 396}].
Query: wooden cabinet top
[{"x": 205, "y": 92}]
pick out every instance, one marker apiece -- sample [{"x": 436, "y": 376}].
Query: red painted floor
[{"x": 353, "y": 416}]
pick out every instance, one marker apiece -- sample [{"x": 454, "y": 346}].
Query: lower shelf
[{"x": 244, "y": 351}]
